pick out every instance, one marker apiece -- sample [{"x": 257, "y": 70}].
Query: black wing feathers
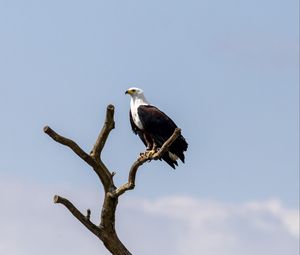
[{"x": 161, "y": 127}]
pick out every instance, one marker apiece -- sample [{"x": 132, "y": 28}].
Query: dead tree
[{"x": 106, "y": 231}]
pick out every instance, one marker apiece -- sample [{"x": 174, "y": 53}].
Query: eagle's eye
[{"x": 133, "y": 90}]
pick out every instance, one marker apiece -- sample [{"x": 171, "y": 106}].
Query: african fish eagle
[{"x": 154, "y": 127}]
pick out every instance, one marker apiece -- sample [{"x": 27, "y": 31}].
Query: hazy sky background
[{"x": 227, "y": 72}]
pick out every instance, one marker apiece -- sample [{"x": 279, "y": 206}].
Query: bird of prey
[{"x": 154, "y": 127}]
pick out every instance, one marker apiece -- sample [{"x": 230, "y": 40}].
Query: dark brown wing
[{"x": 161, "y": 127}]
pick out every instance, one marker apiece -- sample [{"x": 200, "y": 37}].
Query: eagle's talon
[
  {"x": 151, "y": 153},
  {"x": 147, "y": 154}
]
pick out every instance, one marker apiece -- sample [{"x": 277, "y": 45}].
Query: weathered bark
[{"x": 106, "y": 230}]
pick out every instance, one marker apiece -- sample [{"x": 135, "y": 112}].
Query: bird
[{"x": 154, "y": 127}]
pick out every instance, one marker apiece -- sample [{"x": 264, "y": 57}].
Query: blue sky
[{"x": 226, "y": 72}]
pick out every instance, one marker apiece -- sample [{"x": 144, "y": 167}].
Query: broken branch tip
[
  {"x": 46, "y": 129},
  {"x": 55, "y": 199},
  {"x": 110, "y": 107}
]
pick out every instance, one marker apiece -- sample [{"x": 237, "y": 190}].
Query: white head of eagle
[{"x": 154, "y": 127}]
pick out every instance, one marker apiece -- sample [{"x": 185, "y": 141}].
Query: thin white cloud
[
  {"x": 288, "y": 218},
  {"x": 178, "y": 225},
  {"x": 212, "y": 227}
]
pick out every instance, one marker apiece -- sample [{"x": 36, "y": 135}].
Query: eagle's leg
[
  {"x": 149, "y": 142},
  {"x": 151, "y": 146},
  {"x": 155, "y": 147}
]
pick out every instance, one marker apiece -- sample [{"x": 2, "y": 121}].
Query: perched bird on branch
[{"x": 154, "y": 127}]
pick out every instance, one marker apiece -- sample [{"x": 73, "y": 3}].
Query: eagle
[{"x": 154, "y": 127}]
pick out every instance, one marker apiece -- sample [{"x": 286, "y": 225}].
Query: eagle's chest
[{"x": 136, "y": 118}]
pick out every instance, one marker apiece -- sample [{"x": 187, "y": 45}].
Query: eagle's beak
[{"x": 127, "y": 92}]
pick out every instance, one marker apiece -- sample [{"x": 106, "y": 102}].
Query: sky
[{"x": 227, "y": 72}]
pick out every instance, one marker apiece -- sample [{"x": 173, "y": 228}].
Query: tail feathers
[
  {"x": 179, "y": 147},
  {"x": 181, "y": 143},
  {"x": 181, "y": 156},
  {"x": 171, "y": 162},
  {"x": 176, "y": 150}
]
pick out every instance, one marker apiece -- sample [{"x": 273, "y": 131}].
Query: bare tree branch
[
  {"x": 72, "y": 145},
  {"x": 141, "y": 160},
  {"x": 78, "y": 215},
  {"x": 98, "y": 166},
  {"x": 109, "y": 124}
]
